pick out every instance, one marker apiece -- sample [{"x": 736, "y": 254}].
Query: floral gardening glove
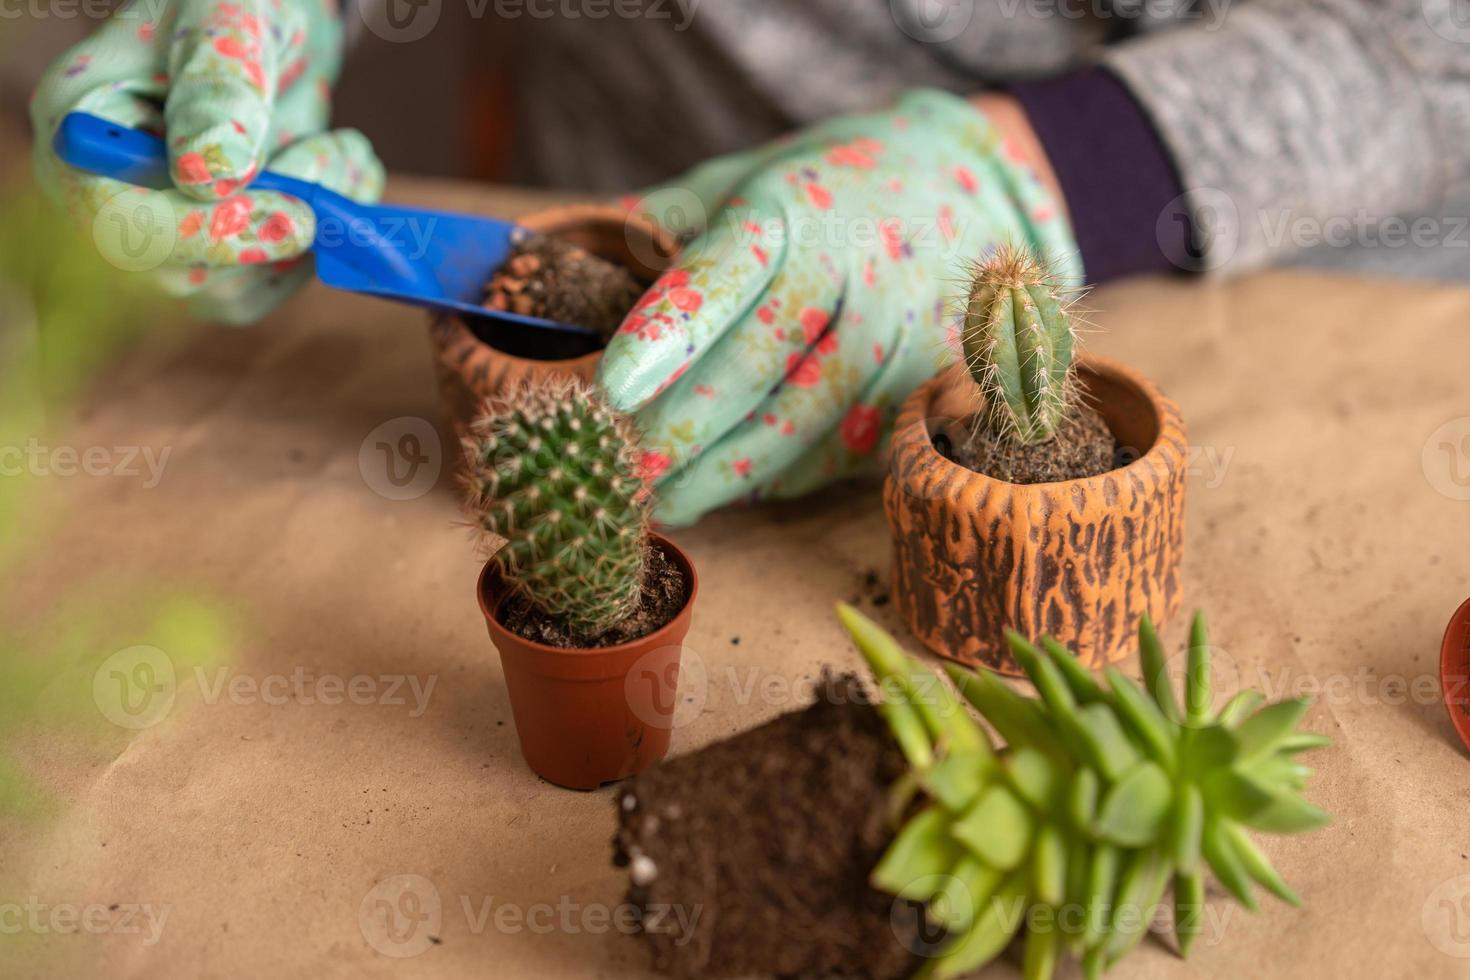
[
  {"x": 236, "y": 87},
  {"x": 774, "y": 356}
]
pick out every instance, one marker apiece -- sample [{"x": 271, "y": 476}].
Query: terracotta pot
[
  {"x": 1454, "y": 671},
  {"x": 587, "y": 717},
  {"x": 470, "y": 369},
  {"x": 1081, "y": 559}
]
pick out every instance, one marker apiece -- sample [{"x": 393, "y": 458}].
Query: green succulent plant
[
  {"x": 1103, "y": 794},
  {"x": 554, "y": 471},
  {"x": 1018, "y": 342}
]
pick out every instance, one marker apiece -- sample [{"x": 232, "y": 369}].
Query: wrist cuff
[{"x": 1119, "y": 181}]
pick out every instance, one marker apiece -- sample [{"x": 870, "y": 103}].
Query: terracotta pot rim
[
  {"x": 1454, "y": 667},
  {"x": 455, "y": 330},
  {"x": 1098, "y": 365},
  {"x": 498, "y": 630}
]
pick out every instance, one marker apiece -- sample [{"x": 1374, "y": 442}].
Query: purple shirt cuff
[{"x": 1121, "y": 185}]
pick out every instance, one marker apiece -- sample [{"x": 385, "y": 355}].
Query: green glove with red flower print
[
  {"x": 773, "y": 357},
  {"x": 237, "y": 87}
]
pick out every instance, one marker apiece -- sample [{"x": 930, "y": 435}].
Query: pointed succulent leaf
[
  {"x": 1264, "y": 730},
  {"x": 1049, "y": 866},
  {"x": 1304, "y": 742},
  {"x": 964, "y": 893},
  {"x": 900, "y": 796},
  {"x": 1219, "y": 850},
  {"x": 1188, "y": 824},
  {"x": 1019, "y": 720},
  {"x": 1079, "y": 867},
  {"x": 1189, "y": 908},
  {"x": 1102, "y": 883},
  {"x": 1235, "y": 794},
  {"x": 955, "y": 780},
  {"x": 1036, "y": 778},
  {"x": 997, "y": 829},
  {"x": 1108, "y": 746},
  {"x": 1142, "y": 898},
  {"x": 1287, "y": 813},
  {"x": 1144, "y": 717},
  {"x": 943, "y": 717},
  {"x": 1083, "y": 685},
  {"x": 1133, "y": 811},
  {"x": 1082, "y": 799},
  {"x": 909, "y": 732},
  {"x": 1239, "y": 707},
  {"x": 1197, "y": 694},
  {"x": 1258, "y": 866},
  {"x": 1205, "y": 749},
  {"x": 915, "y": 863},
  {"x": 1049, "y": 682},
  {"x": 996, "y": 921},
  {"x": 1155, "y": 671},
  {"x": 1043, "y": 950}
]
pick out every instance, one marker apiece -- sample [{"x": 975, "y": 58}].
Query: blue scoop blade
[{"x": 427, "y": 258}]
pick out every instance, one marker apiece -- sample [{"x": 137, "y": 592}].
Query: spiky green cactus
[
  {"x": 1018, "y": 343},
  {"x": 553, "y": 470},
  {"x": 1100, "y": 797}
]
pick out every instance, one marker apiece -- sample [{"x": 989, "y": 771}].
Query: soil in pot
[
  {"x": 1083, "y": 446},
  {"x": 752, "y": 855},
  {"x": 553, "y": 279},
  {"x": 665, "y": 592}
]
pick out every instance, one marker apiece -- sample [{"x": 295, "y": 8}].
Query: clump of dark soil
[
  {"x": 1082, "y": 447},
  {"x": 751, "y": 856},
  {"x": 553, "y": 279},
  {"x": 664, "y": 593}
]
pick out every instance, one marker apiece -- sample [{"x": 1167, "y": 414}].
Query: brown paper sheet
[{"x": 1325, "y": 540}]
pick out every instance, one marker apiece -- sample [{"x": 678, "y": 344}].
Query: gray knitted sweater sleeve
[{"x": 1295, "y": 120}]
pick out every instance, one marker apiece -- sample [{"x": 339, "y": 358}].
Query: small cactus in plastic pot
[{"x": 552, "y": 475}]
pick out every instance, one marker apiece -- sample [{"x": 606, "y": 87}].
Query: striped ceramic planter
[{"x": 1081, "y": 560}]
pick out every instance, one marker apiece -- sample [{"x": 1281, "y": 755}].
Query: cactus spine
[
  {"x": 553, "y": 470},
  {"x": 1018, "y": 343}
]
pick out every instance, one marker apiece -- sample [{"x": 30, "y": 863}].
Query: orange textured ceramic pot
[
  {"x": 1081, "y": 559},
  {"x": 470, "y": 369},
  {"x": 588, "y": 717}
]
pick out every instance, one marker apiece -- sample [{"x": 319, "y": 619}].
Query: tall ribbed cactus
[
  {"x": 1103, "y": 794},
  {"x": 1018, "y": 344},
  {"x": 553, "y": 470}
]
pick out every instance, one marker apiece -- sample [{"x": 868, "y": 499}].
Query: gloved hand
[
  {"x": 824, "y": 289},
  {"x": 237, "y": 87}
]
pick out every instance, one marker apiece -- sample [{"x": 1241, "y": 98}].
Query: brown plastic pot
[
  {"x": 1081, "y": 560},
  {"x": 586, "y": 717},
  {"x": 1454, "y": 671},
  {"x": 469, "y": 370}
]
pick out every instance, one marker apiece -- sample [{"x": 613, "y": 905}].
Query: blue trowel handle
[{"x": 97, "y": 146}]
